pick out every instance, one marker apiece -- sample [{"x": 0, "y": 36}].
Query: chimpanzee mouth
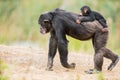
[{"x": 43, "y": 30}]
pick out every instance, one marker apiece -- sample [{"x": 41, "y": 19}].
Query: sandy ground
[{"x": 26, "y": 63}]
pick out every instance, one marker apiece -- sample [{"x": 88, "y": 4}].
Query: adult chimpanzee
[
  {"x": 91, "y": 16},
  {"x": 61, "y": 23}
]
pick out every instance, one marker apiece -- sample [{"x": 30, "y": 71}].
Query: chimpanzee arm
[
  {"x": 52, "y": 50},
  {"x": 90, "y": 17},
  {"x": 62, "y": 44},
  {"x": 62, "y": 47}
]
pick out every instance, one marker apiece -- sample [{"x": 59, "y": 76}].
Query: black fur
[
  {"x": 61, "y": 23},
  {"x": 93, "y": 15}
]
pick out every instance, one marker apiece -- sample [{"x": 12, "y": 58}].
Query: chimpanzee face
[
  {"x": 85, "y": 10},
  {"x": 45, "y": 22}
]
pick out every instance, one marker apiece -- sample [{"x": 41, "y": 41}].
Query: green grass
[
  {"x": 3, "y": 67},
  {"x": 100, "y": 76}
]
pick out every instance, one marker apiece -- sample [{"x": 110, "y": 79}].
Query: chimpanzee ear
[{"x": 52, "y": 13}]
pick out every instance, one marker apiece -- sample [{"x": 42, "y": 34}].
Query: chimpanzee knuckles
[{"x": 72, "y": 65}]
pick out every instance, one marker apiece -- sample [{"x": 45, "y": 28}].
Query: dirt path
[{"x": 29, "y": 64}]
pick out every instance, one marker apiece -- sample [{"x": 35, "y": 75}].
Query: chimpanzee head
[
  {"x": 85, "y": 10},
  {"x": 45, "y": 22}
]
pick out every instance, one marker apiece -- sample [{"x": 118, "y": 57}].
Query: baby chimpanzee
[{"x": 91, "y": 16}]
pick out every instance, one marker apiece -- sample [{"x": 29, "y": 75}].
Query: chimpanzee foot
[
  {"x": 113, "y": 64},
  {"x": 92, "y": 71}
]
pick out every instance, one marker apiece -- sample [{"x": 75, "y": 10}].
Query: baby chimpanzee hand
[
  {"x": 80, "y": 14},
  {"x": 78, "y": 21}
]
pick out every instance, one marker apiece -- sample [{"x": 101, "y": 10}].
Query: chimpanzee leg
[
  {"x": 101, "y": 51},
  {"x": 100, "y": 41},
  {"x": 98, "y": 56},
  {"x": 100, "y": 48},
  {"x": 62, "y": 45},
  {"x": 52, "y": 51}
]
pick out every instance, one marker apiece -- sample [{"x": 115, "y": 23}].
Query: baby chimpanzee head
[{"x": 85, "y": 10}]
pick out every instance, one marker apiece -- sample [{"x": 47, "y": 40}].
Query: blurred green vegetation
[
  {"x": 19, "y": 21},
  {"x": 2, "y": 68},
  {"x": 100, "y": 76}
]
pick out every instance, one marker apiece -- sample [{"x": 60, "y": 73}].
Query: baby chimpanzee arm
[{"x": 90, "y": 17}]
